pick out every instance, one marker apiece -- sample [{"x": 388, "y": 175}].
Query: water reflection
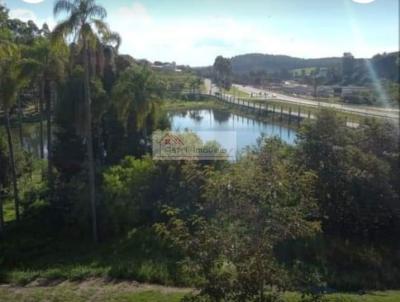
[{"x": 247, "y": 130}]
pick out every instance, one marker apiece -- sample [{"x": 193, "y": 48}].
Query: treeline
[
  {"x": 243, "y": 64},
  {"x": 261, "y": 69}
]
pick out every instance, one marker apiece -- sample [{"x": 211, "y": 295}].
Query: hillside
[{"x": 257, "y": 62}]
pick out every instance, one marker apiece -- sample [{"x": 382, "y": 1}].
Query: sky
[{"x": 194, "y": 32}]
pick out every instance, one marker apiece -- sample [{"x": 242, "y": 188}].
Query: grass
[
  {"x": 100, "y": 291},
  {"x": 387, "y": 296},
  {"x": 70, "y": 292},
  {"x": 236, "y": 92},
  {"x": 139, "y": 256},
  {"x": 176, "y": 105}
]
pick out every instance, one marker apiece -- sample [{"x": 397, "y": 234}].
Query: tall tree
[
  {"x": 51, "y": 60},
  {"x": 85, "y": 23},
  {"x": 4, "y": 177},
  {"x": 223, "y": 72},
  {"x": 11, "y": 81}
]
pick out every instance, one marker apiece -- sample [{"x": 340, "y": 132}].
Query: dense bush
[{"x": 245, "y": 211}]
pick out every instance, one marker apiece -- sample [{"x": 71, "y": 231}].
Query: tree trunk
[
  {"x": 49, "y": 102},
  {"x": 89, "y": 143},
  {"x": 21, "y": 139},
  {"x": 1, "y": 214},
  {"x": 12, "y": 162},
  {"x": 42, "y": 87}
]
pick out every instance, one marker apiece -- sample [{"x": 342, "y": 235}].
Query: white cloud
[
  {"x": 137, "y": 12},
  {"x": 198, "y": 41},
  {"x": 363, "y": 1},
  {"x": 26, "y": 15},
  {"x": 33, "y": 1},
  {"x": 22, "y": 14}
]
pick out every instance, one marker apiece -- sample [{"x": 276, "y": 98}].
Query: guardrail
[{"x": 242, "y": 101}]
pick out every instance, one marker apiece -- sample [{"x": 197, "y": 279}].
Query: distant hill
[
  {"x": 255, "y": 67},
  {"x": 272, "y": 63}
]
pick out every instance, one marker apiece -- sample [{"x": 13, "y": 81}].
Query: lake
[
  {"x": 232, "y": 131},
  {"x": 228, "y": 129}
]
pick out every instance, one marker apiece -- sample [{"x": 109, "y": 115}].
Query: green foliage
[
  {"x": 175, "y": 82},
  {"x": 352, "y": 177},
  {"x": 126, "y": 193},
  {"x": 315, "y": 217},
  {"x": 4, "y": 163},
  {"x": 230, "y": 240},
  {"x": 134, "y": 93},
  {"x": 139, "y": 255},
  {"x": 223, "y": 72}
]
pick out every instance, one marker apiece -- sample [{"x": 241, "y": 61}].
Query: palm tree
[
  {"x": 85, "y": 24},
  {"x": 51, "y": 60},
  {"x": 135, "y": 94},
  {"x": 11, "y": 82},
  {"x": 3, "y": 179}
]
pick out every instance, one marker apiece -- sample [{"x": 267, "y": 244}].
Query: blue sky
[{"x": 196, "y": 31}]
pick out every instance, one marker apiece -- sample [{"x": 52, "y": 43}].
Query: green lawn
[
  {"x": 140, "y": 256},
  {"x": 100, "y": 291},
  {"x": 236, "y": 92},
  {"x": 81, "y": 293},
  {"x": 387, "y": 296}
]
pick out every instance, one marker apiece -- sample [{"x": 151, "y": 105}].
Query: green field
[
  {"x": 236, "y": 92},
  {"x": 101, "y": 291},
  {"x": 88, "y": 291}
]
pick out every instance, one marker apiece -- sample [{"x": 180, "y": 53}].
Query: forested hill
[
  {"x": 257, "y": 62},
  {"x": 385, "y": 65}
]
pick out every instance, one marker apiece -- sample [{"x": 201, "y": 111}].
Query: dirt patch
[{"x": 98, "y": 284}]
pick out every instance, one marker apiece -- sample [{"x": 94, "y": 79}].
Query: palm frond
[
  {"x": 96, "y": 11},
  {"x": 61, "y": 6},
  {"x": 64, "y": 28},
  {"x": 9, "y": 49},
  {"x": 28, "y": 69},
  {"x": 101, "y": 27},
  {"x": 113, "y": 38},
  {"x": 87, "y": 35}
]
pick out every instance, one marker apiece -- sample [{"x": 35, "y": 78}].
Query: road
[
  {"x": 361, "y": 110},
  {"x": 268, "y": 108}
]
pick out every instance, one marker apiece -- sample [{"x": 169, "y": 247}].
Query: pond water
[
  {"x": 212, "y": 124},
  {"x": 231, "y": 131}
]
